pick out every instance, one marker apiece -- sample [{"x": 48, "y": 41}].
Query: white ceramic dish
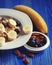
[
  {"x": 25, "y": 20},
  {"x": 39, "y": 48}
]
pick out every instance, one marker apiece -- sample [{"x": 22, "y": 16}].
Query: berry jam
[{"x": 37, "y": 40}]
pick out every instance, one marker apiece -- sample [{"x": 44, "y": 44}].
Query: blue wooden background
[{"x": 44, "y": 7}]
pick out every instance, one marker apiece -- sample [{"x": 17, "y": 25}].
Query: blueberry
[
  {"x": 30, "y": 44},
  {"x": 37, "y": 41},
  {"x": 35, "y": 45},
  {"x": 3, "y": 18},
  {"x": 33, "y": 40},
  {"x": 18, "y": 23},
  {"x": 43, "y": 44},
  {"x": 5, "y": 24},
  {"x": 40, "y": 45},
  {"x": 44, "y": 40},
  {"x": 17, "y": 31}
]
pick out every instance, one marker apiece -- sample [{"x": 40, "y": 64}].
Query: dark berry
[
  {"x": 35, "y": 45},
  {"x": 17, "y": 52},
  {"x": 37, "y": 41},
  {"x": 29, "y": 43},
  {"x": 5, "y": 24},
  {"x": 17, "y": 31},
  {"x": 43, "y": 44},
  {"x": 18, "y": 23},
  {"x": 3, "y": 18},
  {"x": 40, "y": 45},
  {"x": 21, "y": 56},
  {"x": 26, "y": 61},
  {"x": 33, "y": 40},
  {"x": 44, "y": 40}
]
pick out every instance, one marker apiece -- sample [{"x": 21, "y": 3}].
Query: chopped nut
[
  {"x": 26, "y": 61},
  {"x": 30, "y": 55},
  {"x": 17, "y": 52},
  {"x": 21, "y": 56}
]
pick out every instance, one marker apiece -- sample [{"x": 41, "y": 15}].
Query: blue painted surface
[{"x": 44, "y": 7}]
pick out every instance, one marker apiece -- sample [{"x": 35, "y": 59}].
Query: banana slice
[
  {"x": 12, "y": 23},
  {"x": 2, "y": 41},
  {"x": 0, "y": 18},
  {"x": 2, "y": 29},
  {"x": 26, "y": 29},
  {"x": 12, "y": 35}
]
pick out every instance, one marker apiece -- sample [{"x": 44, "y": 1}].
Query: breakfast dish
[
  {"x": 37, "y": 40},
  {"x": 10, "y": 29},
  {"x": 22, "y": 21}
]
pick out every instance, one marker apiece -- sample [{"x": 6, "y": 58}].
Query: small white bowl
[{"x": 39, "y": 48}]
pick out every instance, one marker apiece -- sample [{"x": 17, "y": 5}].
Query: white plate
[{"x": 25, "y": 20}]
